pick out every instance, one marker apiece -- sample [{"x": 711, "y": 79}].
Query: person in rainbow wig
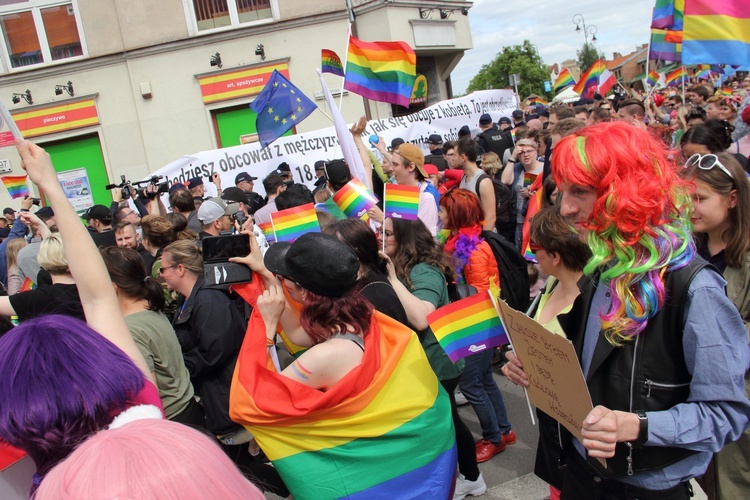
[{"x": 662, "y": 348}]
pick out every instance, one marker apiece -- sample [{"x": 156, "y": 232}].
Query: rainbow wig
[
  {"x": 61, "y": 382},
  {"x": 640, "y": 225}
]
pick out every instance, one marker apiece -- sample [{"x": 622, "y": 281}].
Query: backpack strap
[{"x": 479, "y": 181}]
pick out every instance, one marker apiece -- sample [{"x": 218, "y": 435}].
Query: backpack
[
  {"x": 505, "y": 206},
  {"x": 514, "y": 276}
]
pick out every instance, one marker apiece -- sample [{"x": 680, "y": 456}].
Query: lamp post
[{"x": 579, "y": 21}]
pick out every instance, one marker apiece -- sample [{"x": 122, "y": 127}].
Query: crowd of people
[{"x": 127, "y": 373}]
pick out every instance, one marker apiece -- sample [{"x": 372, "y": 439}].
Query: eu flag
[{"x": 280, "y": 106}]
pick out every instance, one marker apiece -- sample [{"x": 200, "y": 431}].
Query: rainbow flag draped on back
[
  {"x": 381, "y": 71},
  {"x": 401, "y": 202},
  {"x": 468, "y": 326},
  {"x": 383, "y": 431},
  {"x": 716, "y": 32},
  {"x": 564, "y": 79},
  {"x": 331, "y": 63},
  {"x": 354, "y": 199},
  {"x": 16, "y": 185},
  {"x": 290, "y": 224}
]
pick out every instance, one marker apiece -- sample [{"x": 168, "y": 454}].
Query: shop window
[
  {"x": 39, "y": 31},
  {"x": 212, "y": 14}
]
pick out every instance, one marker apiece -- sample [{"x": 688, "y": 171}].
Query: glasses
[
  {"x": 527, "y": 152},
  {"x": 132, "y": 212},
  {"x": 290, "y": 280},
  {"x": 535, "y": 248},
  {"x": 164, "y": 268},
  {"x": 707, "y": 162}
]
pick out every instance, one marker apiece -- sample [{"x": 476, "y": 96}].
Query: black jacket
[{"x": 210, "y": 331}]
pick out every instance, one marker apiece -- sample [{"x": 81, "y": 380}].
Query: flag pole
[
  {"x": 682, "y": 75},
  {"x": 346, "y": 54}
]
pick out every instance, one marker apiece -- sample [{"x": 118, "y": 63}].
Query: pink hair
[{"x": 147, "y": 458}]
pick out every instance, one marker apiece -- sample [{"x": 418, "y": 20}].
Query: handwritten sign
[{"x": 556, "y": 383}]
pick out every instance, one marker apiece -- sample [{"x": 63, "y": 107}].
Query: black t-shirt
[
  {"x": 376, "y": 289},
  {"x": 105, "y": 239},
  {"x": 50, "y": 299}
]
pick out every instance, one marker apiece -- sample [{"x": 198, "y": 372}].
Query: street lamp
[{"x": 579, "y": 21}]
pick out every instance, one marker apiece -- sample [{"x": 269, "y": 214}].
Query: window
[
  {"x": 39, "y": 31},
  {"x": 212, "y": 14}
]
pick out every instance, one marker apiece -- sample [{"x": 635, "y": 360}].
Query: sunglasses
[
  {"x": 706, "y": 162},
  {"x": 535, "y": 248}
]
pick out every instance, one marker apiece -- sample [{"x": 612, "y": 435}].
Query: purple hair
[{"x": 61, "y": 381}]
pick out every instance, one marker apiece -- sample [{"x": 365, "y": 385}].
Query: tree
[
  {"x": 587, "y": 56},
  {"x": 523, "y": 60}
]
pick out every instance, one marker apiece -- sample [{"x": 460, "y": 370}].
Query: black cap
[
  {"x": 318, "y": 262},
  {"x": 485, "y": 119},
  {"x": 45, "y": 212},
  {"x": 505, "y": 120},
  {"x": 337, "y": 172},
  {"x": 320, "y": 165},
  {"x": 464, "y": 131},
  {"x": 98, "y": 212},
  {"x": 518, "y": 114},
  {"x": 283, "y": 168},
  {"x": 8, "y": 210},
  {"x": 234, "y": 194},
  {"x": 397, "y": 142},
  {"x": 195, "y": 181},
  {"x": 244, "y": 176},
  {"x": 544, "y": 113},
  {"x": 435, "y": 140}
]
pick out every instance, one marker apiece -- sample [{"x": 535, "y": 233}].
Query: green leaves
[{"x": 517, "y": 59}]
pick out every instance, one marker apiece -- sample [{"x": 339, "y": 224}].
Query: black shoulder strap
[{"x": 479, "y": 181}]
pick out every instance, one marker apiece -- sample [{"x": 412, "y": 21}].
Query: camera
[
  {"x": 129, "y": 188},
  {"x": 125, "y": 188},
  {"x": 36, "y": 201},
  {"x": 240, "y": 217}
]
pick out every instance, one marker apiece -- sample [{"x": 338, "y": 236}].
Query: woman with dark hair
[
  {"x": 373, "y": 268},
  {"x": 562, "y": 255},
  {"x": 63, "y": 380},
  {"x": 712, "y": 137},
  {"x": 475, "y": 264},
  {"x": 141, "y": 302},
  {"x": 362, "y": 394},
  {"x": 180, "y": 226},
  {"x": 418, "y": 271},
  {"x": 721, "y": 225}
]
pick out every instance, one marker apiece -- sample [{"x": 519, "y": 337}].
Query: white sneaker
[
  {"x": 460, "y": 398},
  {"x": 465, "y": 487}
]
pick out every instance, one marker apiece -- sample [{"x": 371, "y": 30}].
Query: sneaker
[
  {"x": 464, "y": 487},
  {"x": 460, "y": 398},
  {"x": 488, "y": 450},
  {"x": 510, "y": 437}
]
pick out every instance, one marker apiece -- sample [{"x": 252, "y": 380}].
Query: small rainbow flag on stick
[
  {"x": 331, "y": 63},
  {"x": 401, "y": 202},
  {"x": 564, "y": 79},
  {"x": 676, "y": 77},
  {"x": 528, "y": 179},
  {"x": 267, "y": 230},
  {"x": 468, "y": 326},
  {"x": 653, "y": 78},
  {"x": 354, "y": 199},
  {"x": 16, "y": 185},
  {"x": 290, "y": 224}
]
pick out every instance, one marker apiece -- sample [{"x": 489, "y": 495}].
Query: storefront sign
[
  {"x": 235, "y": 83},
  {"x": 57, "y": 118}
]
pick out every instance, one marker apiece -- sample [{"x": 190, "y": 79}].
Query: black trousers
[{"x": 467, "y": 452}]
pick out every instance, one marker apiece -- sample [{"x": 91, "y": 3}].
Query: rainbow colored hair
[{"x": 639, "y": 227}]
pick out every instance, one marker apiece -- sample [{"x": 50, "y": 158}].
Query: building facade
[{"x": 115, "y": 87}]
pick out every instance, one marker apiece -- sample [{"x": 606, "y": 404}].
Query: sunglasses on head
[{"x": 707, "y": 162}]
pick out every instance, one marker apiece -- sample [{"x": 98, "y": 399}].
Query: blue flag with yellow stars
[{"x": 280, "y": 106}]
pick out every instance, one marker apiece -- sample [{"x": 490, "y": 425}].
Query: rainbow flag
[
  {"x": 267, "y": 230},
  {"x": 704, "y": 74},
  {"x": 528, "y": 179},
  {"x": 331, "y": 63},
  {"x": 290, "y": 224},
  {"x": 726, "y": 92},
  {"x": 354, "y": 199},
  {"x": 662, "y": 49},
  {"x": 528, "y": 254},
  {"x": 28, "y": 284},
  {"x": 716, "y": 32},
  {"x": 381, "y": 71},
  {"x": 597, "y": 76},
  {"x": 564, "y": 79},
  {"x": 468, "y": 326},
  {"x": 513, "y": 135},
  {"x": 543, "y": 102},
  {"x": 16, "y": 185},
  {"x": 401, "y": 202},
  {"x": 676, "y": 77},
  {"x": 350, "y": 440},
  {"x": 652, "y": 78},
  {"x": 663, "y": 14}
]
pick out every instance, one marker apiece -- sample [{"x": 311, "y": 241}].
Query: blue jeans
[{"x": 484, "y": 395}]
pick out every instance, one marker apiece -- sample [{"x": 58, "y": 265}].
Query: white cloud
[{"x": 548, "y": 24}]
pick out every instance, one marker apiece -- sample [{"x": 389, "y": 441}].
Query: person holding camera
[{"x": 217, "y": 217}]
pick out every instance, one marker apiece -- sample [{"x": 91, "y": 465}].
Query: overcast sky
[{"x": 621, "y": 26}]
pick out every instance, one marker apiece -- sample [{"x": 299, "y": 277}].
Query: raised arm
[{"x": 84, "y": 260}]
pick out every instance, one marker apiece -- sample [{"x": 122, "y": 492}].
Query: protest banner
[{"x": 301, "y": 151}]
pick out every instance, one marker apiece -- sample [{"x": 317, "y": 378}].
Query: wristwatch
[{"x": 642, "y": 430}]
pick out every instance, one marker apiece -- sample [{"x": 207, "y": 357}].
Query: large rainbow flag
[
  {"x": 331, "y": 63},
  {"x": 381, "y": 71},
  {"x": 16, "y": 185},
  {"x": 383, "y": 431},
  {"x": 401, "y": 202},
  {"x": 354, "y": 199},
  {"x": 290, "y": 224},
  {"x": 564, "y": 79},
  {"x": 468, "y": 326},
  {"x": 666, "y": 30},
  {"x": 716, "y": 32}
]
